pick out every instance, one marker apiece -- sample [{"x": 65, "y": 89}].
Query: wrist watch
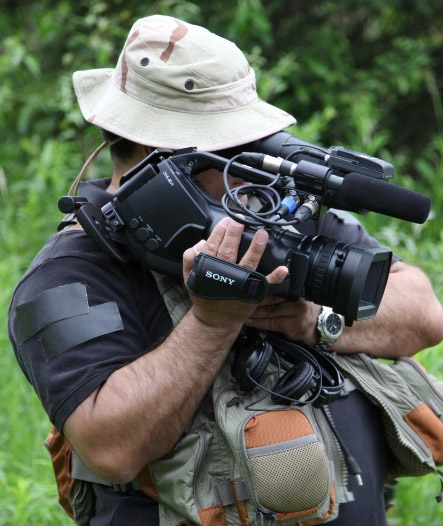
[{"x": 329, "y": 328}]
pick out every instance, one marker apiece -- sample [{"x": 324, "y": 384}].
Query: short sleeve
[{"x": 75, "y": 319}]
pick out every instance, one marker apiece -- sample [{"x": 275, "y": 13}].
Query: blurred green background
[{"x": 367, "y": 75}]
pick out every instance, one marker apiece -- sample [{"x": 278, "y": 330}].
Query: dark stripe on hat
[
  {"x": 178, "y": 33},
  {"x": 50, "y": 306},
  {"x": 124, "y": 65},
  {"x": 66, "y": 334}
]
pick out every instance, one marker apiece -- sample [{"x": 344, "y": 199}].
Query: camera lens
[{"x": 349, "y": 278}]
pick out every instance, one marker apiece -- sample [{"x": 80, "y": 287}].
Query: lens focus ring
[{"x": 319, "y": 279}]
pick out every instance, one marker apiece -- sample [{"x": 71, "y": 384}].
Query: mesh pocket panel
[
  {"x": 291, "y": 481},
  {"x": 404, "y": 463}
]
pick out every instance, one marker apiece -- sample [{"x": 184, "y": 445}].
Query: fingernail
[
  {"x": 261, "y": 237},
  {"x": 284, "y": 271},
  {"x": 237, "y": 226},
  {"x": 225, "y": 221}
]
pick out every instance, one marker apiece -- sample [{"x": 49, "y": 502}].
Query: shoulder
[
  {"x": 340, "y": 224},
  {"x": 341, "y": 216},
  {"x": 70, "y": 262},
  {"x": 71, "y": 252}
]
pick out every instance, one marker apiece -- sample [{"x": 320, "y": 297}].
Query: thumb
[
  {"x": 277, "y": 275},
  {"x": 189, "y": 256}
]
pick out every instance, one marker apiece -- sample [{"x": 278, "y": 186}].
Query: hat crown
[{"x": 184, "y": 57}]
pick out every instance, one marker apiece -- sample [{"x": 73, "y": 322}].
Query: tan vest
[{"x": 281, "y": 465}]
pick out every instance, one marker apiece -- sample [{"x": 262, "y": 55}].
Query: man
[{"x": 94, "y": 337}]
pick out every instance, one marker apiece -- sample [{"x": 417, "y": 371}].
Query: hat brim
[{"x": 105, "y": 105}]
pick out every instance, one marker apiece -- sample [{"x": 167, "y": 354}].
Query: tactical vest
[{"x": 278, "y": 465}]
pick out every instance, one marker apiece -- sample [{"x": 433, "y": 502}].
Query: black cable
[
  {"x": 248, "y": 407},
  {"x": 269, "y": 195},
  {"x": 351, "y": 462},
  {"x": 305, "y": 150}
]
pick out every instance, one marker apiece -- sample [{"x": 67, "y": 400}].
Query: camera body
[{"x": 162, "y": 211}]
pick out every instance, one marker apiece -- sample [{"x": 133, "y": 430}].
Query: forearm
[
  {"x": 143, "y": 408},
  {"x": 409, "y": 318}
]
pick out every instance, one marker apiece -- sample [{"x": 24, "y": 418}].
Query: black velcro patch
[
  {"x": 68, "y": 333},
  {"x": 64, "y": 319},
  {"x": 48, "y": 307}
]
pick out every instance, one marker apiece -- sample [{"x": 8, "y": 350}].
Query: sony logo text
[{"x": 218, "y": 277}]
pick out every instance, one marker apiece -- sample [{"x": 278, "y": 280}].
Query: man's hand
[
  {"x": 223, "y": 243},
  {"x": 296, "y": 320}
]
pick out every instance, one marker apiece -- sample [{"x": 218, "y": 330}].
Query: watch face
[{"x": 333, "y": 324}]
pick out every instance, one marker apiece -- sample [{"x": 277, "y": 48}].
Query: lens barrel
[{"x": 349, "y": 278}]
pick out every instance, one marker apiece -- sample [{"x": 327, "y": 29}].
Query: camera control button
[
  {"x": 152, "y": 245},
  {"x": 143, "y": 234}
]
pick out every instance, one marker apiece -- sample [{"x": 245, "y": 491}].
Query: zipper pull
[
  {"x": 260, "y": 518},
  {"x": 272, "y": 517},
  {"x": 234, "y": 401},
  {"x": 264, "y": 518}
]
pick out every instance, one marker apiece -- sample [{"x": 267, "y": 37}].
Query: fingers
[
  {"x": 223, "y": 243},
  {"x": 287, "y": 308},
  {"x": 216, "y": 237},
  {"x": 283, "y": 308},
  {"x": 296, "y": 320},
  {"x": 276, "y": 277},
  {"x": 255, "y": 251},
  {"x": 225, "y": 240},
  {"x": 272, "y": 300}
]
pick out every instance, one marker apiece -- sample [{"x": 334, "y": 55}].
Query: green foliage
[{"x": 367, "y": 75}]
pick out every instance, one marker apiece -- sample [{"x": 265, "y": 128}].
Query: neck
[
  {"x": 119, "y": 169},
  {"x": 121, "y": 166}
]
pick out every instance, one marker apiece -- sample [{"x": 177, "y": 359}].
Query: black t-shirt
[{"x": 78, "y": 274}]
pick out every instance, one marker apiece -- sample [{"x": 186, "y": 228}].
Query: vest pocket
[
  {"x": 429, "y": 428},
  {"x": 282, "y": 459},
  {"x": 287, "y": 462}
]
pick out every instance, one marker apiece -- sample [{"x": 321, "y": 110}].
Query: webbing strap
[
  {"x": 224, "y": 492},
  {"x": 226, "y": 495},
  {"x": 241, "y": 490},
  {"x": 80, "y": 471}
]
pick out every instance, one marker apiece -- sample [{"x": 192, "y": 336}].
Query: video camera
[{"x": 160, "y": 210}]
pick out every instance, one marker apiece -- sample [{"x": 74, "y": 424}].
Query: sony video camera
[{"x": 160, "y": 210}]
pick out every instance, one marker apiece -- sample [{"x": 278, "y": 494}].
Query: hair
[{"x": 123, "y": 149}]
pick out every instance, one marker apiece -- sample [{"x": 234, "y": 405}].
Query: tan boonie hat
[{"x": 178, "y": 85}]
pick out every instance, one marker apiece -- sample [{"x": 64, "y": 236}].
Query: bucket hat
[{"x": 178, "y": 85}]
